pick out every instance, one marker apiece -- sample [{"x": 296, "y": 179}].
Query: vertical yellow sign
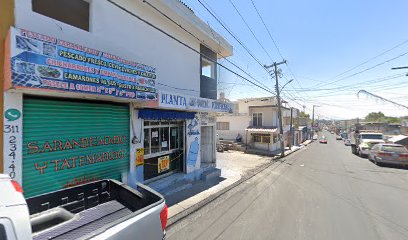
[{"x": 139, "y": 157}]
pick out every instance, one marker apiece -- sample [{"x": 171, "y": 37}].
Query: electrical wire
[
  {"x": 184, "y": 44},
  {"x": 367, "y": 69},
  {"x": 249, "y": 28},
  {"x": 201, "y": 41},
  {"x": 231, "y": 33}
]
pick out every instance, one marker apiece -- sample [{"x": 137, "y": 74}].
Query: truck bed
[{"x": 86, "y": 210}]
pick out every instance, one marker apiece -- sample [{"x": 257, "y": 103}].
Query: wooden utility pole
[
  {"x": 290, "y": 130},
  {"x": 275, "y": 65}
]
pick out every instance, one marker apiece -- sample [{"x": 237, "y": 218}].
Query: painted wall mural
[{"x": 193, "y": 142}]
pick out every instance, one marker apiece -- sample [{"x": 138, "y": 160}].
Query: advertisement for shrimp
[{"x": 42, "y": 62}]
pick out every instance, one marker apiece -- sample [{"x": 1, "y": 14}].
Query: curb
[{"x": 174, "y": 219}]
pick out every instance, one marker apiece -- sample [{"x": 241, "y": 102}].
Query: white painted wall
[
  {"x": 238, "y": 124},
  {"x": 114, "y": 31},
  {"x": 269, "y": 115}
]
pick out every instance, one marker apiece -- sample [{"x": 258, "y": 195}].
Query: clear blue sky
[{"x": 320, "y": 39}]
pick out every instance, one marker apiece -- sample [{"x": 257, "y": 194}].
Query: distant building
[{"x": 256, "y": 120}]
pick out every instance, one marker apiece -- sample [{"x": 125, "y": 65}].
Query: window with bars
[
  {"x": 261, "y": 138},
  {"x": 257, "y": 119},
  {"x": 223, "y": 125},
  {"x": 162, "y": 136}
]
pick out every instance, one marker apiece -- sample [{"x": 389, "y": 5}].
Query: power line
[
  {"x": 184, "y": 44},
  {"x": 375, "y": 57},
  {"x": 267, "y": 29},
  {"x": 231, "y": 33},
  {"x": 365, "y": 70},
  {"x": 252, "y": 32},
  {"x": 202, "y": 42},
  {"x": 276, "y": 46}
]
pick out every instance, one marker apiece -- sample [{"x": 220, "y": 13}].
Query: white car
[
  {"x": 314, "y": 137},
  {"x": 347, "y": 142}
]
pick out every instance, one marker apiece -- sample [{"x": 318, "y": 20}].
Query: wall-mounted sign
[
  {"x": 184, "y": 102},
  {"x": 163, "y": 163},
  {"x": 139, "y": 157},
  {"x": 38, "y": 61}
]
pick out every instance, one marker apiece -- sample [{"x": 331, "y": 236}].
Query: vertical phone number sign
[{"x": 12, "y": 135}]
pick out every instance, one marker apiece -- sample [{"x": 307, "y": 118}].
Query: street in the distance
[{"x": 320, "y": 192}]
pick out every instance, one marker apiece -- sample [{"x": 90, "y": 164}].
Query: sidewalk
[{"x": 236, "y": 167}]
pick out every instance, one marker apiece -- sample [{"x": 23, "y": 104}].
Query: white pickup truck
[{"x": 105, "y": 209}]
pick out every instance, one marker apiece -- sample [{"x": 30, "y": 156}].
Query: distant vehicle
[
  {"x": 104, "y": 209},
  {"x": 347, "y": 142},
  {"x": 344, "y": 135},
  {"x": 332, "y": 132},
  {"x": 389, "y": 153},
  {"x": 314, "y": 137},
  {"x": 323, "y": 140},
  {"x": 338, "y": 137},
  {"x": 361, "y": 142}
]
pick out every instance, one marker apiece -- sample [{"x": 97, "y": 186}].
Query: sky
[{"x": 334, "y": 49}]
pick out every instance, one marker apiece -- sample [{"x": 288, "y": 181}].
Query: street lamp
[{"x": 284, "y": 85}]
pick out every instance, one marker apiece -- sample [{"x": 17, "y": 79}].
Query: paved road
[{"x": 321, "y": 192}]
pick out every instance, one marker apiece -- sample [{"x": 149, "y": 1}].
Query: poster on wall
[
  {"x": 163, "y": 164},
  {"x": 139, "y": 157},
  {"x": 193, "y": 143},
  {"x": 38, "y": 61}
]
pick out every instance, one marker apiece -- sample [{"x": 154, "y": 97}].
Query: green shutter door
[{"x": 66, "y": 143}]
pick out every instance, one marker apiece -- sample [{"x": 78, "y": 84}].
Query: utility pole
[
  {"x": 275, "y": 65},
  {"x": 313, "y": 119},
  {"x": 290, "y": 129}
]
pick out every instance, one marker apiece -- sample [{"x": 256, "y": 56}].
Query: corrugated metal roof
[{"x": 267, "y": 130}]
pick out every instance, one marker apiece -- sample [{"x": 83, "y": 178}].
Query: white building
[
  {"x": 256, "y": 120},
  {"x": 108, "y": 89}
]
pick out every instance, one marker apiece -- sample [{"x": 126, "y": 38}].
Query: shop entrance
[
  {"x": 71, "y": 142},
  {"x": 207, "y": 144}
]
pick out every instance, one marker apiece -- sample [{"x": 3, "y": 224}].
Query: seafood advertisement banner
[{"x": 38, "y": 61}]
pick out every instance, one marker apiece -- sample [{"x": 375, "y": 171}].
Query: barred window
[{"x": 223, "y": 125}]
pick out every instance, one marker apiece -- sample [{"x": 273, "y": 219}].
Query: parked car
[
  {"x": 347, "y": 142},
  {"x": 104, "y": 209},
  {"x": 338, "y": 137},
  {"x": 323, "y": 139},
  {"x": 389, "y": 153},
  {"x": 314, "y": 137}
]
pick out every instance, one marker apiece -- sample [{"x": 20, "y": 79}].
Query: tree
[
  {"x": 374, "y": 117},
  {"x": 304, "y": 115},
  {"x": 380, "y": 117}
]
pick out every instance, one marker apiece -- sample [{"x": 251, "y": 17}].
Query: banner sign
[
  {"x": 139, "y": 157},
  {"x": 184, "y": 102},
  {"x": 42, "y": 62},
  {"x": 163, "y": 164}
]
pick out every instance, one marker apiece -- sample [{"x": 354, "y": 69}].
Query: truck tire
[{"x": 220, "y": 148}]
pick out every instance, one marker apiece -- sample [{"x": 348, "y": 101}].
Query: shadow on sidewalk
[{"x": 198, "y": 187}]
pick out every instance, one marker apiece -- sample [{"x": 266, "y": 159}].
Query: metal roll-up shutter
[{"x": 69, "y": 142}]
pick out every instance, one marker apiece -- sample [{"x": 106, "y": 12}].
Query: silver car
[{"x": 389, "y": 153}]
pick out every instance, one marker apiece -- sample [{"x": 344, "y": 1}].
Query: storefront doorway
[
  {"x": 207, "y": 145},
  {"x": 71, "y": 142}
]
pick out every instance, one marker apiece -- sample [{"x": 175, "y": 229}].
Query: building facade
[
  {"x": 256, "y": 120},
  {"x": 107, "y": 89}
]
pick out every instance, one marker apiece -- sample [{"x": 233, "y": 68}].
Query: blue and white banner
[
  {"x": 42, "y": 62},
  {"x": 184, "y": 102}
]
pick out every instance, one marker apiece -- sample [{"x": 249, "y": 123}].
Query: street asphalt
[{"x": 320, "y": 192}]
